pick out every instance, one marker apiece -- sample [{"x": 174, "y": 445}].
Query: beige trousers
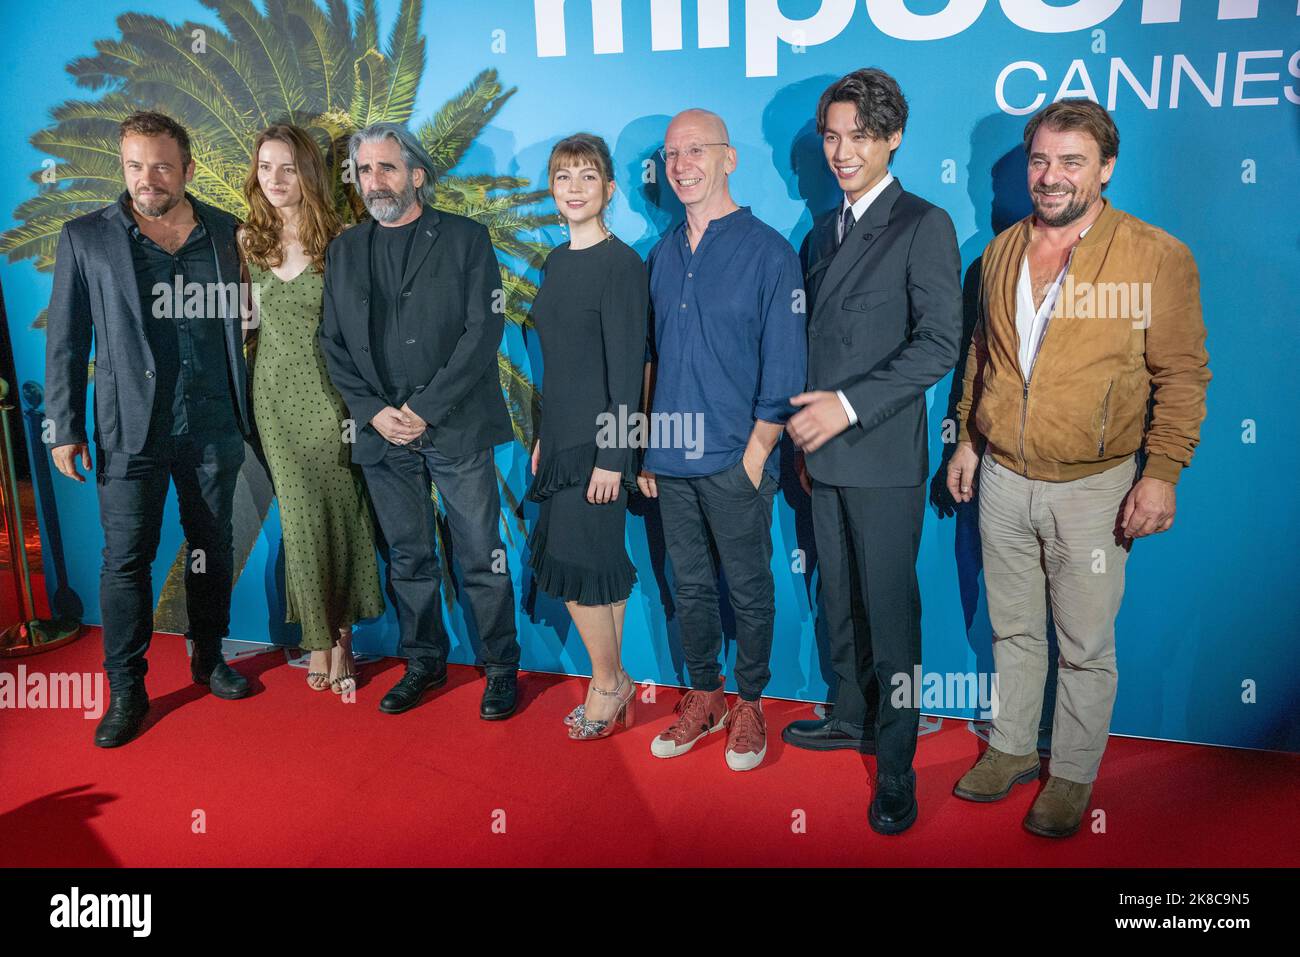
[{"x": 1054, "y": 541}]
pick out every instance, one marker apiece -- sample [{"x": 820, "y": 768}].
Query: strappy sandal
[
  {"x": 323, "y": 677},
  {"x": 345, "y": 683},
  {"x": 587, "y": 730},
  {"x": 340, "y": 684}
]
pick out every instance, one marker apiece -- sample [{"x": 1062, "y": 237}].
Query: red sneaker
[
  {"x": 699, "y": 714},
  {"x": 746, "y": 736}
]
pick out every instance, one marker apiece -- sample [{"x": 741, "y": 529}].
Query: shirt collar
[
  {"x": 737, "y": 215},
  {"x": 867, "y": 198},
  {"x": 124, "y": 204}
]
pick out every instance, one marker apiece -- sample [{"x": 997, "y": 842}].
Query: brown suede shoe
[
  {"x": 1059, "y": 808},
  {"x": 995, "y": 774}
]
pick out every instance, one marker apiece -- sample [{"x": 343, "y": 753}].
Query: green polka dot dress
[{"x": 331, "y": 576}]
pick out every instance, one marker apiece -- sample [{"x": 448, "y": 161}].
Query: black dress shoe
[
  {"x": 406, "y": 693},
  {"x": 827, "y": 735},
  {"x": 893, "y": 809},
  {"x": 499, "y": 697},
  {"x": 223, "y": 680},
  {"x": 122, "y": 720}
]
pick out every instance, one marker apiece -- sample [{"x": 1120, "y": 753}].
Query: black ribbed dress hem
[{"x": 578, "y": 583}]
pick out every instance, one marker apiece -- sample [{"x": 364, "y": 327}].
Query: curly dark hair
[{"x": 881, "y": 106}]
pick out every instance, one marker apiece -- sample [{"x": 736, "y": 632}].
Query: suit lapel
[
  {"x": 425, "y": 234},
  {"x": 860, "y": 240},
  {"x": 365, "y": 277},
  {"x": 365, "y": 284},
  {"x": 121, "y": 264},
  {"x": 821, "y": 249}
]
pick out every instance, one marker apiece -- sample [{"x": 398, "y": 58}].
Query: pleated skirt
[{"x": 576, "y": 548}]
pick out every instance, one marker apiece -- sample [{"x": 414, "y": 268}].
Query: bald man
[{"x": 726, "y": 351}]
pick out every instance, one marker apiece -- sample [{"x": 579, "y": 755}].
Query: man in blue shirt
[{"x": 727, "y": 350}]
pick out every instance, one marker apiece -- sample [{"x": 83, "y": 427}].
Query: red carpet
[{"x": 295, "y": 777}]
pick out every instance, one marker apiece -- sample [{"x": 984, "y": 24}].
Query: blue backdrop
[{"x": 1205, "y": 94}]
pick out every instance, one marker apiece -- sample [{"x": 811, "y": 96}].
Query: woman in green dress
[{"x": 331, "y": 576}]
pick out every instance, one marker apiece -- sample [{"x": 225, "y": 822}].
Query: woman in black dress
[{"x": 591, "y": 315}]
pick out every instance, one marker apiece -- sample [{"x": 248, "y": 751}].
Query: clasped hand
[{"x": 399, "y": 426}]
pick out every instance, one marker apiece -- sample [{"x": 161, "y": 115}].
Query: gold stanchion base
[{"x": 33, "y": 637}]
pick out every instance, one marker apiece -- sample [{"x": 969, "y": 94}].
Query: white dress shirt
[
  {"x": 859, "y": 210},
  {"x": 1031, "y": 323}
]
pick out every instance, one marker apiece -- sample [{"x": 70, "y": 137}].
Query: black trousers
[
  {"x": 727, "y": 508},
  {"x": 132, "y": 495},
  {"x": 867, "y": 544},
  {"x": 467, "y": 487}
]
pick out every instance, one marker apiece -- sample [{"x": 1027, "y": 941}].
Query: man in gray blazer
[
  {"x": 883, "y": 278},
  {"x": 153, "y": 280}
]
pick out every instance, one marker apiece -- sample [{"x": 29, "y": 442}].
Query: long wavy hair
[{"x": 318, "y": 222}]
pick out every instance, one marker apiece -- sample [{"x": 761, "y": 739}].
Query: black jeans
[
  {"x": 132, "y": 496},
  {"x": 738, "y": 517},
  {"x": 867, "y": 544},
  {"x": 467, "y": 488}
]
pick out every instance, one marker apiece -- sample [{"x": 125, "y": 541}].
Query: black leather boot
[
  {"x": 893, "y": 809},
  {"x": 223, "y": 680},
  {"x": 500, "y": 697},
  {"x": 122, "y": 720},
  {"x": 406, "y": 693}
]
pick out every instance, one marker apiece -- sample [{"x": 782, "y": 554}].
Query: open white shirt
[
  {"x": 859, "y": 210},
  {"x": 1031, "y": 323}
]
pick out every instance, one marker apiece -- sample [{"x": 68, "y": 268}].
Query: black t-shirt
[{"x": 390, "y": 248}]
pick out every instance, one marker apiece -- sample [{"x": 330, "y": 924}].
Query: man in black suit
[
  {"x": 153, "y": 279},
  {"x": 884, "y": 298},
  {"x": 413, "y": 320}
]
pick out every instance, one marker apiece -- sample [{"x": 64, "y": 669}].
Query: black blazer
[
  {"x": 885, "y": 322},
  {"x": 95, "y": 292},
  {"x": 452, "y": 283}
]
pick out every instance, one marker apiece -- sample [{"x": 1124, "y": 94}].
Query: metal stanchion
[{"x": 30, "y": 634}]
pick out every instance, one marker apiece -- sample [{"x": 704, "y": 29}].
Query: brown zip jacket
[{"x": 1122, "y": 365}]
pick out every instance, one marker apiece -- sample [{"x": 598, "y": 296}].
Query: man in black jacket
[
  {"x": 884, "y": 298},
  {"x": 153, "y": 279},
  {"x": 413, "y": 320}
]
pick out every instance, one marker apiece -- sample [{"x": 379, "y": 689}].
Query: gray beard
[{"x": 386, "y": 209}]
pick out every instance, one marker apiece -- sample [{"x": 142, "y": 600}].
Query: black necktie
[{"x": 846, "y": 223}]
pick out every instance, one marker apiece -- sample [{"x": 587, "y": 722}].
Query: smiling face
[
  {"x": 697, "y": 171},
  {"x": 579, "y": 193},
  {"x": 277, "y": 174},
  {"x": 387, "y": 184},
  {"x": 858, "y": 160},
  {"x": 1065, "y": 175},
  {"x": 155, "y": 176}
]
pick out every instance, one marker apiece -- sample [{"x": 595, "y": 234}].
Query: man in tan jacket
[{"x": 1082, "y": 401}]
